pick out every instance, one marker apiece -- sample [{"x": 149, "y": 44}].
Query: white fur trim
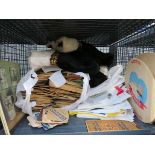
[
  {"x": 104, "y": 70},
  {"x": 52, "y": 44},
  {"x": 69, "y": 44},
  {"x": 39, "y": 59}
]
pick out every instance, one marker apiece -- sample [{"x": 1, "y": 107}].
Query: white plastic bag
[
  {"x": 26, "y": 84},
  {"x": 114, "y": 79},
  {"x": 85, "y": 89},
  {"x": 30, "y": 79}
]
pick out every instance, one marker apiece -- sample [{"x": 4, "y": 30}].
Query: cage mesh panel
[
  {"x": 103, "y": 49},
  {"x": 96, "y": 31},
  {"x": 142, "y": 41},
  {"x": 127, "y": 27},
  {"x": 16, "y": 53},
  {"x": 11, "y": 35},
  {"x": 125, "y": 54},
  {"x": 19, "y": 53},
  {"x": 129, "y": 38}
]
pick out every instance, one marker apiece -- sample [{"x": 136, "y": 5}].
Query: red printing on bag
[{"x": 119, "y": 90}]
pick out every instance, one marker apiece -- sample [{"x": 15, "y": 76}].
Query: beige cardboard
[
  {"x": 54, "y": 115},
  {"x": 109, "y": 125},
  {"x": 67, "y": 87},
  {"x": 144, "y": 68}
]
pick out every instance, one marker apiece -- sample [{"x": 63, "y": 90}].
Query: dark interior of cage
[{"x": 125, "y": 38}]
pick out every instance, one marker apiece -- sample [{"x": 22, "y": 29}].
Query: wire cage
[
  {"x": 125, "y": 38},
  {"x": 140, "y": 41}
]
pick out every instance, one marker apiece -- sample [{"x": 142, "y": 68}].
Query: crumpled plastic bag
[
  {"x": 30, "y": 79},
  {"x": 28, "y": 82},
  {"x": 114, "y": 79}
]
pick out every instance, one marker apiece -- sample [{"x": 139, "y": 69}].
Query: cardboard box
[{"x": 140, "y": 80}]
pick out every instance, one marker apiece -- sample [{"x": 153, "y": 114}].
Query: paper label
[
  {"x": 57, "y": 79},
  {"x": 110, "y": 125},
  {"x": 54, "y": 115}
]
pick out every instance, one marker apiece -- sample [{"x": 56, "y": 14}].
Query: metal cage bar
[{"x": 124, "y": 38}]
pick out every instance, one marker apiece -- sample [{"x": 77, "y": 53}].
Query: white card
[{"x": 57, "y": 79}]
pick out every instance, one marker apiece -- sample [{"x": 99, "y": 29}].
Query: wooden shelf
[{"x": 13, "y": 123}]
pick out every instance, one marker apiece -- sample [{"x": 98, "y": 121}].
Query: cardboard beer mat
[
  {"x": 54, "y": 115},
  {"x": 109, "y": 125}
]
